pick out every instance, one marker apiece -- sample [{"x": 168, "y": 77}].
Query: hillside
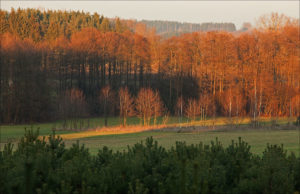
[{"x": 171, "y": 28}]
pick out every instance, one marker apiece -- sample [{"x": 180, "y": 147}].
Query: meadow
[{"x": 118, "y": 138}]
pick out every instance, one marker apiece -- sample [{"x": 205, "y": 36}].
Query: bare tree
[
  {"x": 192, "y": 109},
  {"x": 206, "y": 104},
  {"x": 73, "y": 106},
  {"x": 158, "y": 107},
  {"x": 106, "y": 95},
  {"x": 126, "y": 104},
  {"x": 148, "y": 104},
  {"x": 273, "y": 21},
  {"x": 179, "y": 107}
]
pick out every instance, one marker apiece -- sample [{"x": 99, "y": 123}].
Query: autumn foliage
[{"x": 254, "y": 73}]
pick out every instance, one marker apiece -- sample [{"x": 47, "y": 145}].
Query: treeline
[
  {"x": 169, "y": 28},
  {"x": 46, "y": 166},
  {"x": 210, "y": 74},
  {"x": 41, "y": 25},
  {"x": 48, "y": 25}
]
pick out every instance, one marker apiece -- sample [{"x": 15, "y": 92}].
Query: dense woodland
[{"x": 57, "y": 64}]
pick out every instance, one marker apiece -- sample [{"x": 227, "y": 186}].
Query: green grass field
[
  {"x": 14, "y": 132},
  {"x": 257, "y": 138}
]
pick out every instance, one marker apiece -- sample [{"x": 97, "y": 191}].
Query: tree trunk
[
  {"x": 105, "y": 112},
  {"x": 255, "y": 103}
]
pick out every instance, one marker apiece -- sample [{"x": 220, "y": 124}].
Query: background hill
[{"x": 171, "y": 28}]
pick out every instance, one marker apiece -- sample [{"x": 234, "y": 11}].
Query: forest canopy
[{"x": 54, "y": 60}]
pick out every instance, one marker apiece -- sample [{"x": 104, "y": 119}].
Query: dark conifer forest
[{"x": 48, "y": 166}]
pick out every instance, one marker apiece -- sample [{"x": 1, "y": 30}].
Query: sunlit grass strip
[
  {"x": 111, "y": 131},
  {"x": 115, "y": 130},
  {"x": 138, "y": 128}
]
